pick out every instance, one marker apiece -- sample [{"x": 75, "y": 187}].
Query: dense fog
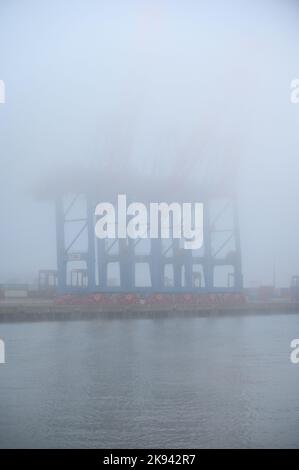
[{"x": 193, "y": 92}]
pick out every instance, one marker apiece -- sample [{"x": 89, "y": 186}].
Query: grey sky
[{"x": 91, "y": 82}]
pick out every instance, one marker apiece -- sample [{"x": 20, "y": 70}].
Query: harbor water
[{"x": 155, "y": 383}]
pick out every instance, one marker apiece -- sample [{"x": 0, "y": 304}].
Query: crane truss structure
[{"x": 88, "y": 264}]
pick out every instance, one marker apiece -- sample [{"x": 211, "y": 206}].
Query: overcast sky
[{"x": 147, "y": 83}]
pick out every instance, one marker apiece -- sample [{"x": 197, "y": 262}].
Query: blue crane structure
[{"x": 84, "y": 262}]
